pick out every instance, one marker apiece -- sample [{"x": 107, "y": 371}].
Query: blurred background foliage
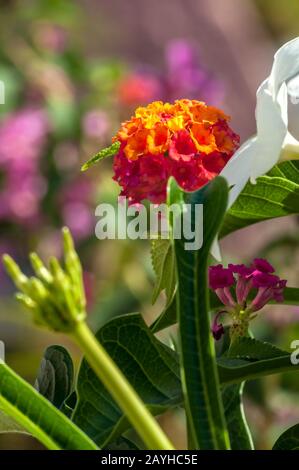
[{"x": 72, "y": 73}]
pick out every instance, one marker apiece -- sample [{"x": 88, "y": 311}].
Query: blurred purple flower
[
  {"x": 96, "y": 123},
  {"x": 22, "y": 138},
  {"x": 76, "y": 201},
  {"x": 186, "y": 75},
  {"x": 51, "y": 37}
]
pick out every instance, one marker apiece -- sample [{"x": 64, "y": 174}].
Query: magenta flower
[
  {"x": 22, "y": 139},
  {"x": 184, "y": 74},
  {"x": 217, "y": 328},
  {"x": 243, "y": 291},
  {"x": 187, "y": 76}
]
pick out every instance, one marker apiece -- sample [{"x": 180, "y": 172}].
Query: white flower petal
[
  {"x": 237, "y": 170},
  {"x": 293, "y": 89},
  {"x": 285, "y": 65},
  {"x": 271, "y": 120},
  {"x": 272, "y": 143},
  {"x": 290, "y": 149}
]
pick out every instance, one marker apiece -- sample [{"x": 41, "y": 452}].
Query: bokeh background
[{"x": 72, "y": 72}]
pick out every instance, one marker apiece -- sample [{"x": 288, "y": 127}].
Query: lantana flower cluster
[
  {"x": 187, "y": 140},
  {"x": 243, "y": 291}
]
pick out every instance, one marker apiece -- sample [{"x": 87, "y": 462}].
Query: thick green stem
[{"x": 120, "y": 389}]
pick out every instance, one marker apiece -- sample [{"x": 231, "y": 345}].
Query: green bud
[
  {"x": 16, "y": 275},
  {"x": 73, "y": 265},
  {"x": 40, "y": 269},
  {"x": 56, "y": 296},
  {"x": 26, "y": 301}
]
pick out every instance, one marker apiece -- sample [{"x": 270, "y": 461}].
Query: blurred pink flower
[
  {"x": 140, "y": 87},
  {"x": 76, "y": 201},
  {"x": 187, "y": 76},
  {"x": 22, "y": 139},
  {"x": 51, "y": 37},
  {"x": 96, "y": 123}
]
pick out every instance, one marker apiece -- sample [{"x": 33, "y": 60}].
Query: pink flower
[
  {"x": 76, "y": 201},
  {"x": 263, "y": 265},
  {"x": 142, "y": 178},
  {"x": 96, "y": 124},
  {"x": 140, "y": 87},
  {"x": 220, "y": 277},
  {"x": 233, "y": 286},
  {"x": 22, "y": 139},
  {"x": 217, "y": 328}
]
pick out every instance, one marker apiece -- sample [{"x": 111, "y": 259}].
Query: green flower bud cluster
[{"x": 55, "y": 295}]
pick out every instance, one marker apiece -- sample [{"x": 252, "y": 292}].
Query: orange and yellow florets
[{"x": 187, "y": 139}]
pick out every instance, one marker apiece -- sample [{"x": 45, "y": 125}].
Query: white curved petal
[
  {"x": 290, "y": 149},
  {"x": 293, "y": 89},
  {"x": 260, "y": 153},
  {"x": 272, "y": 122},
  {"x": 238, "y": 170},
  {"x": 285, "y": 65}
]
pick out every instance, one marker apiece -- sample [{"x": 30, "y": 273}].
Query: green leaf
[
  {"x": 162, "y": 253},
  {"x": 269, "y": 198},
  {"x": 289, "y": 440},
  {"x": 287, "y": 170},
  {"x": 68, "y": 406},
  {"x": 162, "y": 250},
  {"x": 105, "y": 153},
  {"x": 239, "y": 434},
  {"x": 8, "y": 424},
  {"x": 151, "y": 367},
  {"x": 239, "y": 370},
  {"x": 38, "y": 416},
  {"x": 253, "y": 350},
  {"x": 167, "y": 318},
  {"x": 200, "y": 378},
  {"x": 55, "y": 376}
]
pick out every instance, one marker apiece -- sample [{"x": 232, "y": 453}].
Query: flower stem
[{"x": 120, "y": 389}]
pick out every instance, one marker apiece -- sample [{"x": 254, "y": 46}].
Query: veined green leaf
[
  {"x": 251, "y": 349},
  {"x": 8, "y": 424},
  {"x": 162, "y": 253},
  {"x": 38, "y": 416},
  {"x": 287, "y": 170},
  {"x": 203, "y": 400},
  {"x": 55, "y": 376},
  {"x": 167, "y": 318},
  {"x": 269, "y": 198},
  {"x": 239, "y": 434},
  {"x": 162, "y": 250},
  {"x": 105, "y": 153},
  {"x": 151, "y": 367},
  {"x": 232, "y": 371},
  {"x": 289, "y": 440}
]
